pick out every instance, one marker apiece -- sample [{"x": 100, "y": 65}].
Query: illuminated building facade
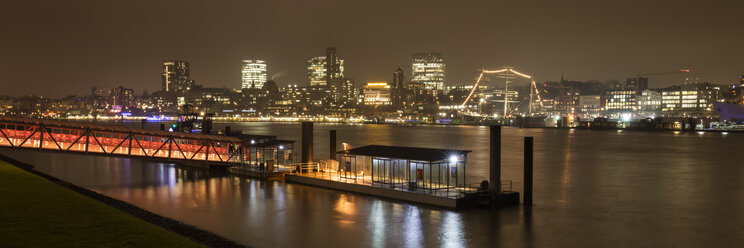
[
  {"x": 122, "y": 97},
  {"x": 376, "y": 93},
  {"x": 176, "y": 76},
  {"x": 342, "y": 91},
  {"x": 316, "y": 71},
  {"x": 621, "y": 100},
  {"x": 590, "y": 104},
  {"x": 694, "y": 100},
  {"x": 428, "y": 69},
  {"x": 670, "y": 99},
  {"x": 321, "y": 69},
  {"x": 398, "y": 89},
  {"x": 649, "y": 102},
  {"x": 333, "y": 65},
  {"x": 253, "y": 73}
]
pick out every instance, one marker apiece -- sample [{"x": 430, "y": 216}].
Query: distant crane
[{"x": 638, "y": 77}]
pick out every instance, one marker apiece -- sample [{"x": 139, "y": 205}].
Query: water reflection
[
  {"x": 625, "y": 189},
  {"x": 413, "y": 232},
  {"x": 346, "y": 209},
  {"x": 451, "y": 230},
  {"x": 377, "y": 222}
]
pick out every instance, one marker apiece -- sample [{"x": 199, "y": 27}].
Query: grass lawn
[{"x": 35, "y": 212}]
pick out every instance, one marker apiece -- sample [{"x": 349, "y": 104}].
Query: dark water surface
[{"x": 592, "y": 189}]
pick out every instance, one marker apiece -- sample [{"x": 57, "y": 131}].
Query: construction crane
[
  {"x": 663, "y": 73},
  {"x": 639, "y": 76}
]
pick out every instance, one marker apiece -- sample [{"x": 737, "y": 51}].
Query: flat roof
[
  {"x": 402, "y": 152},
  {"x": 114, "y": 128}
]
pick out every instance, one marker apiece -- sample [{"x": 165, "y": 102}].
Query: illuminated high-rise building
[
  {"x": 333, "y": 65},
  {"x": 320, "y": 69},
  {"x": 342, "y": 91},
  {"x": 176, "y": 76},
  {"x": 428, "y": 69},
  {"x": 316, "y": 71},
  {"x": 398, "y": 89},
  {"x": 253, "y": 73}
]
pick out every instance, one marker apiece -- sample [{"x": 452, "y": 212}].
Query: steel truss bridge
[
  {"x": 508, "y": 74},
  {"x": 93, "y": 138}
]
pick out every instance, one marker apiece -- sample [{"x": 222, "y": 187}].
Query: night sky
[{"x": 56, "y": 48}]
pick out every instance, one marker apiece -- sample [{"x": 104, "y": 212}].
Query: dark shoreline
[{"x": 193, "y": 233}]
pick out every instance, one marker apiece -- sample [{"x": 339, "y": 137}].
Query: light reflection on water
[
  {"x": 592, "y": 189},
  {"x": 413, "y": 230}
]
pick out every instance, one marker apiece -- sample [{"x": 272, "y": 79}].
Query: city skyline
[
  {"x": 332, "y": 123},
  {"x": 557, "y": 39}
]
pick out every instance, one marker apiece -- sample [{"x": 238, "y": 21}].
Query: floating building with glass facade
[
  {"x": 409, "y": 167},
  {"x": 253, "y": 73}
]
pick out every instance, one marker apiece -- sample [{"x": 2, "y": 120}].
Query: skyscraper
[
  {"x": 398, "y": 89},
  {"x": 176, "y": 77},
  {"x": 428, "y": 68},
  {"x": 253, "y": 73},
  {"x": 320, "y": 70},
  {"x": 342, "y": 91},
  {"x": 316, "y": 71},
  {"x": 333, "y": 65}
]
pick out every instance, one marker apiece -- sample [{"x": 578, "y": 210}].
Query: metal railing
[
  {"x": 320, "y": 170},
  {"x": 506, "y": 185}
]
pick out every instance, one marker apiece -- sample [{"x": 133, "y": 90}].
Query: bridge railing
[{"x": 88, "y": 140}]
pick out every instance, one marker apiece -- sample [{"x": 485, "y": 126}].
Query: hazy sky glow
[{"x": 55, "y": 48}]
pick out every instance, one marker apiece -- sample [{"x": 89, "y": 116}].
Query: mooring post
[
  {"x": 692, "y": 124},
  {"x": 332, "y": 145},
  {"x": 528, "y": 170},
  {"x": 495, "y": 164},
  {"x": 307, "y": 142}
]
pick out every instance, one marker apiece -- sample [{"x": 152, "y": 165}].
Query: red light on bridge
[{"x": 685, "y": 70}]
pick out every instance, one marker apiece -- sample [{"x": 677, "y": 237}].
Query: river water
[{"x": 591, "y": 189}]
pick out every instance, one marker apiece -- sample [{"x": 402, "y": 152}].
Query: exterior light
[
  {"x": 253, "y": 142},
  {"x": 627, "y": 117},
  {"x": 453, "y": 159},
  {"x": 281, "y": 147}
]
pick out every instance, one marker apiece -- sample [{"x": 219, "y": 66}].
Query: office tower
[
  {"x": 253, "y": 73},
  {"x": 320, "y": 69},
  {"x": 342, "y": 91},
  {"x": 398, "y": 89},
  {"x": 176, "y": 76},
  {"x": 121, "y": 96},
  {"x": 316, "y": 71},
  {"x": 332, "y": 65},
  {"x": 428, "y": 68}
]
